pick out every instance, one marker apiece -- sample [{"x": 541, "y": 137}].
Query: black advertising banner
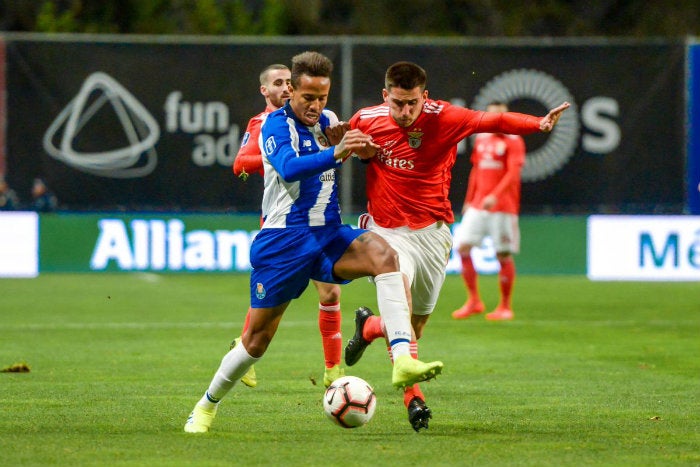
[
  {"x": 619, "y": 148},
  {"x": 132, "y": 125},
  {"x": 154, "y": 124}
]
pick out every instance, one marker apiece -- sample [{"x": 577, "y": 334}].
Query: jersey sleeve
[
  {"x": 512, "y": 123},
  {"x": 332, "y": 117},
  {"x": 249, "y": 157}
]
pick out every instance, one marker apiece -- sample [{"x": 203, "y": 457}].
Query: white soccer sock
[
  {"x": 234, "y": 365},
  {"x": 393, "y": 306}
]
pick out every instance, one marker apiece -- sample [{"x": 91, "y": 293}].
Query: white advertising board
[
  {"x": 19, "y": 244},
  {"x": 644, "y": 248}
]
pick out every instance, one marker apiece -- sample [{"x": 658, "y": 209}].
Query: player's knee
[
  {"x": 256, "y": 343},
  {"x": 464, "y": 250},
  {"x": 329, "y": 294},
  {"x": 504, "y": 256},
  {"x": 386, "y": 259}
]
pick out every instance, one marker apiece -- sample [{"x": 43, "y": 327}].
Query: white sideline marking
[
  {"x": 297, "y": 323},
  {"x": 81, "y": 326}
]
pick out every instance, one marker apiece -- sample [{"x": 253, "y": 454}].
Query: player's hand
[
  {"x": 335, "y": 133},
  {"x": 244, "y": 175},
  {"x": 354, "y": 141},
  {"x": 367, "y": 152},
  {"x": 489, "y": 202},
  {"x": 548, "y": 121}
]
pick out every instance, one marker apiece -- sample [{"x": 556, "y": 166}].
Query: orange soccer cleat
[
  {"x": 472, "y": 307},
  {"x": 500, "y": 314}
]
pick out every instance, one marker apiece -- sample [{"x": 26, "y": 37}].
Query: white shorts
[
  {"x": 423, "y": 256},
  {"x": 500, "y": 226}
]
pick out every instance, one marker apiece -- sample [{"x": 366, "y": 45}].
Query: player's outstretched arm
[{"x": 548, "y": 121}]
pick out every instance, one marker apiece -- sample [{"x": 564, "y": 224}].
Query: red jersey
[
  {"x": 249, "y": 157},
  {"x": 496, "y": 163},
  {"x": 408, "y": 181}
]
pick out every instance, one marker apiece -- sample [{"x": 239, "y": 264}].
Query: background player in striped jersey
[
  {"x": 491, "y": 208},
  {"x": 302, "y": 237},
  {"x": 274, "y": 86},
  {"x": 408, "y": 182}
]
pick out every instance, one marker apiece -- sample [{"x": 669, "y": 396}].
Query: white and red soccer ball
[{"x": 350, "y": 402}]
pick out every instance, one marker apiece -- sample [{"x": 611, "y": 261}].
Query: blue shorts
[{"x": 284, "y": 260}]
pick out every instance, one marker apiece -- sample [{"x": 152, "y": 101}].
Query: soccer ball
[{"x": 350, "y": 401}]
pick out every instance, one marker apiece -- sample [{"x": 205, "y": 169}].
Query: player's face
[
  {"x": 309, "y": 98},
  {"x": 405, "y": 104},
  {"x": 276, "y": 90}
]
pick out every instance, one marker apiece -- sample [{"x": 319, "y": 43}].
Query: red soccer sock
[
  {"x": 506, "y": 279},
  {"x": 470, "y": 276},
  {"x": 329, "y": 322},
  {"x": 372, "y": 329}
]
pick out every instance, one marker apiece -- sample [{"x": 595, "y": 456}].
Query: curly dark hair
[{"x": 310, "y": 63}]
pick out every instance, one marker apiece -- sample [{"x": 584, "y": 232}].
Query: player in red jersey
[
  {"x": 274, "y": 86},
  {"x": 491, "y": 207},
  {"x": 408, "y": 182}
]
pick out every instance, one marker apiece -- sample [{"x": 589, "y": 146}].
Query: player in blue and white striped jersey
[{"x": 303, "y": 238}]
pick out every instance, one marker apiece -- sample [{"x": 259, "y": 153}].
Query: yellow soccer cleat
[
  {"x": 331, "y": 374},
  {"x": 200, "y": 420},
  {"x": 409, "y": 371}
]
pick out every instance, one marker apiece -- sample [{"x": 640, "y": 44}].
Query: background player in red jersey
[
  {"x": 408, "y": 182},
  {"x": 491, "y": 208},
  {"x": 274, "y": 86}
]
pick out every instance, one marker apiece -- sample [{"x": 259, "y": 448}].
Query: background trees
[{"x": 484, "y": 18}]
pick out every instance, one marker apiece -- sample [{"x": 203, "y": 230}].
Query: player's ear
[{"x": 385, "y": 95}]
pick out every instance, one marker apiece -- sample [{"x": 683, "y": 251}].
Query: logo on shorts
[
  {"x": 414, "y": 139},
  {"x": 260, "y": 291}
]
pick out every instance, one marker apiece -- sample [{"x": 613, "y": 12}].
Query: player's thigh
[
  {"x": 367, "y": 255},
  {"x": 473, "y": 228},
  {"x": 400, "y": 241},
  {"x": 432, "y": 252},
  {"x": 505, "y": 232}
]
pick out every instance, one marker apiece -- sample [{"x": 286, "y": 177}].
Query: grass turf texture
[{"x": 587, "y": 374}]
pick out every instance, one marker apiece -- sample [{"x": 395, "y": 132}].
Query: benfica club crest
[{"x": 414, "y": 139}]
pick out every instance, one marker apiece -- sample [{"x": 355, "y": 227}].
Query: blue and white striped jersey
[{"x": 300, "y": 186}]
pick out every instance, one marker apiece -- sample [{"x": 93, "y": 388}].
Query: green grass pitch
[{"x": 588, "y": 374}]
